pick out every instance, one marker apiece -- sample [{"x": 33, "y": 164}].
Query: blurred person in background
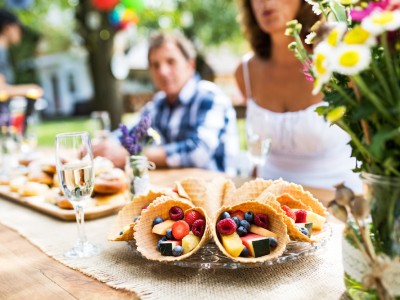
[
  {"x": 11, "y": 31},
  {"x": 304, "y": 149},
  {"x": 196, "y": 121}
]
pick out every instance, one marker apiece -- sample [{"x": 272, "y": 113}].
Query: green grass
[{"x": 48, "y": 129}]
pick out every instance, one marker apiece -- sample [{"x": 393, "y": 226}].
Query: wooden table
[{"x": 24, "y": 268}]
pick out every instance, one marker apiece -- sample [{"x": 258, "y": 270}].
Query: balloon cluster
[{"x": 121, "y": 13}]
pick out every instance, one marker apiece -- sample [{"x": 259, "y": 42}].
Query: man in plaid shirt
[{"x": 196, "y": 121}]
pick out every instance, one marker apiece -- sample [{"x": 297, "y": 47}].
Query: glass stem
[{"x": 80, "y": 220}]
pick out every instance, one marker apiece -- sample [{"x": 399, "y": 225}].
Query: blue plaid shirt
[{"x": 199, "y": 130}]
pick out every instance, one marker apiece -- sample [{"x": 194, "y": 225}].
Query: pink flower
[
  {"x": 307, "y": 73},
  {"x": 359, "y": 15}
]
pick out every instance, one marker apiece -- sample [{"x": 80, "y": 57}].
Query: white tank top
[{"x": 305, "y": 149}]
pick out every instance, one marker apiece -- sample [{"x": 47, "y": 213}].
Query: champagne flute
[
  {"x": 74, "y": 162},
  {"x": 258, "y": 144}
]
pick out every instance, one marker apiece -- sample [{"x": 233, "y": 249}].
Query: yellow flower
[
  {"x": 348, "y": 2},
  {"x": 380, "y": 21},
  {"x": 351, "y": 59},
  {"x": 360, "y": 36},
  {"x": 336, "y": 114}
]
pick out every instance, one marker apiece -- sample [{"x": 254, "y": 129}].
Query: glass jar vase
[
  {"x": 376, "y": 236},
  {"x": 137, "y": 168}
]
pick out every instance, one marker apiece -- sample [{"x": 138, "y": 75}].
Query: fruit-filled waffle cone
[
  {"x": 146, "y": 240},
  {"x": 294, "y": 232},
  {"x": 280, "y": 187},
  {"x": 122, "y": 229},
  {"x": 276, "y": 225},
  {"x": 249, "y": 191},
  {"x": 286, "y": 199}
]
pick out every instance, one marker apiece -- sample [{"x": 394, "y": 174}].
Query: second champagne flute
[{"x": 74, "y": 161}]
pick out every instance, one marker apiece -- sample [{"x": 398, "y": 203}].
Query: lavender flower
[
  {"x": 135, "y": 140},
  {"x": 5, "y": 117}
]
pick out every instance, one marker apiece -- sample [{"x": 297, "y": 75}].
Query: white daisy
[
  {"x": 321, "y": 66},
  {"x": 359, "y": 36},
  {"x": 380, "y": 21},
  {"x": 335, "y": 35},
  {"x": 351, "y": 59},
  {"x": 316, "y": 8}
]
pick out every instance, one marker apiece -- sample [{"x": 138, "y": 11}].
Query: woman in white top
[{"x": 305, "y": 149}]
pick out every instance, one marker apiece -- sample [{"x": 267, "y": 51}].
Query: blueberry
[
  {"x": 225, "y": 215},
  {"x": 237, "y": 221},
  {"x": 136, "y": 218},
  {"x": 121, "y": 232},
  {"x": 245, "y": 252},
  {"x": 304, "y": 231},
  {"x": 163, "y": 239},
  {"x": 241, "y": 231},
  {"x": 177, "y": 251},
  {"x": 245, "y": 224},
  {"x": 157, "y": 220},
  {"x": 249, "y": 217},
  {"x": 168, "y": 234},
  {"x": 158, "y": 245},
  {"x": 273, "y": 242}
]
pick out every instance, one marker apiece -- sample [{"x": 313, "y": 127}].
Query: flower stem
[
  {"x": 389, "y": 65},
  {"x": 372, "y": 97},
  {"x": 343, "y": 93},
  {"x": 382, "y": 81},
  {"x": 364, "y": 151}
]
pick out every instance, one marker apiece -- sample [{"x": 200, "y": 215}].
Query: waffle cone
[
  {"x": 294, "y": 233},
  {"x": 276, "y": 222},
  {"x": 280, "y": 187},
  {"x": 216, "y": 191},
  {"x": 127, "y": 214},
  {"x": 286, "y": 199},
  {"x": 230, "y": 189},
  {"x": 196, "y": 190},
  {"x": 146, "y": 241},
  {"x": 249, "y": 191}
]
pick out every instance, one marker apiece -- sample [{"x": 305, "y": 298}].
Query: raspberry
[
  {"x": 192, "y": 216},
  {"x": 238, "y": 214},
  {"x": 198, "y": 227},
  {"x": 180, "y": 229},
  {"x": 226, "y": 226},
  {"x": 301, "y": 216},
  {"x": 289, "y": 212},
  {"x": 261, "y": 220},
  {"x": 176, "y": 213}
]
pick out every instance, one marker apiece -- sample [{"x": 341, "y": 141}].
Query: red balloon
[{"x": 105, "y": 5}]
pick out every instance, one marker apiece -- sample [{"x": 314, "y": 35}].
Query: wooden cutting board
[{"x": 38, "y": 203}]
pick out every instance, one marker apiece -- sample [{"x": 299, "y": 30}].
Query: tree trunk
[{"x": 99, "y": 44}]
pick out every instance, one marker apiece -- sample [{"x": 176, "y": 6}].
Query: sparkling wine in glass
[
  {"x": 74, "y": 162},
  {"x": 258, "y": 145}
]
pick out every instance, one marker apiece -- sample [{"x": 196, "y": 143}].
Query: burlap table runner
[{"x": 319, "y": 276}]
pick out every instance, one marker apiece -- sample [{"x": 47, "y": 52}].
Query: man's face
[{"x": 169, "y": 69}]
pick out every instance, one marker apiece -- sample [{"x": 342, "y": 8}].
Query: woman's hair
[
  {"x": 160, "y": 38},
  {"x": 260, "y": 41}
]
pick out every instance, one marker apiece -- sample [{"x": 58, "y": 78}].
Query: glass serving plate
[{"x": 210, "y": 257}]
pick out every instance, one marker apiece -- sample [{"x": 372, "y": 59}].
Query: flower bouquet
[
  {"x": 134, "y": 141},
  {"x": 355, "y": 63}
]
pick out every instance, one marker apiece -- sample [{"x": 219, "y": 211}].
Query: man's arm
[{"x": 25, "y": 90}]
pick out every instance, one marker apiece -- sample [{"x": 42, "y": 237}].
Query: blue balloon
[{"x": 22, "y": 4}]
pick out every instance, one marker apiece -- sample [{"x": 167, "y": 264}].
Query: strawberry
[
  {"x": 301, "y": 216},
  {"x": 289, "y": 212},
  {"x": 238, "y": 214},
  {"x": 192, "y": 216},
  {"x": 180, "y": 229}
]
